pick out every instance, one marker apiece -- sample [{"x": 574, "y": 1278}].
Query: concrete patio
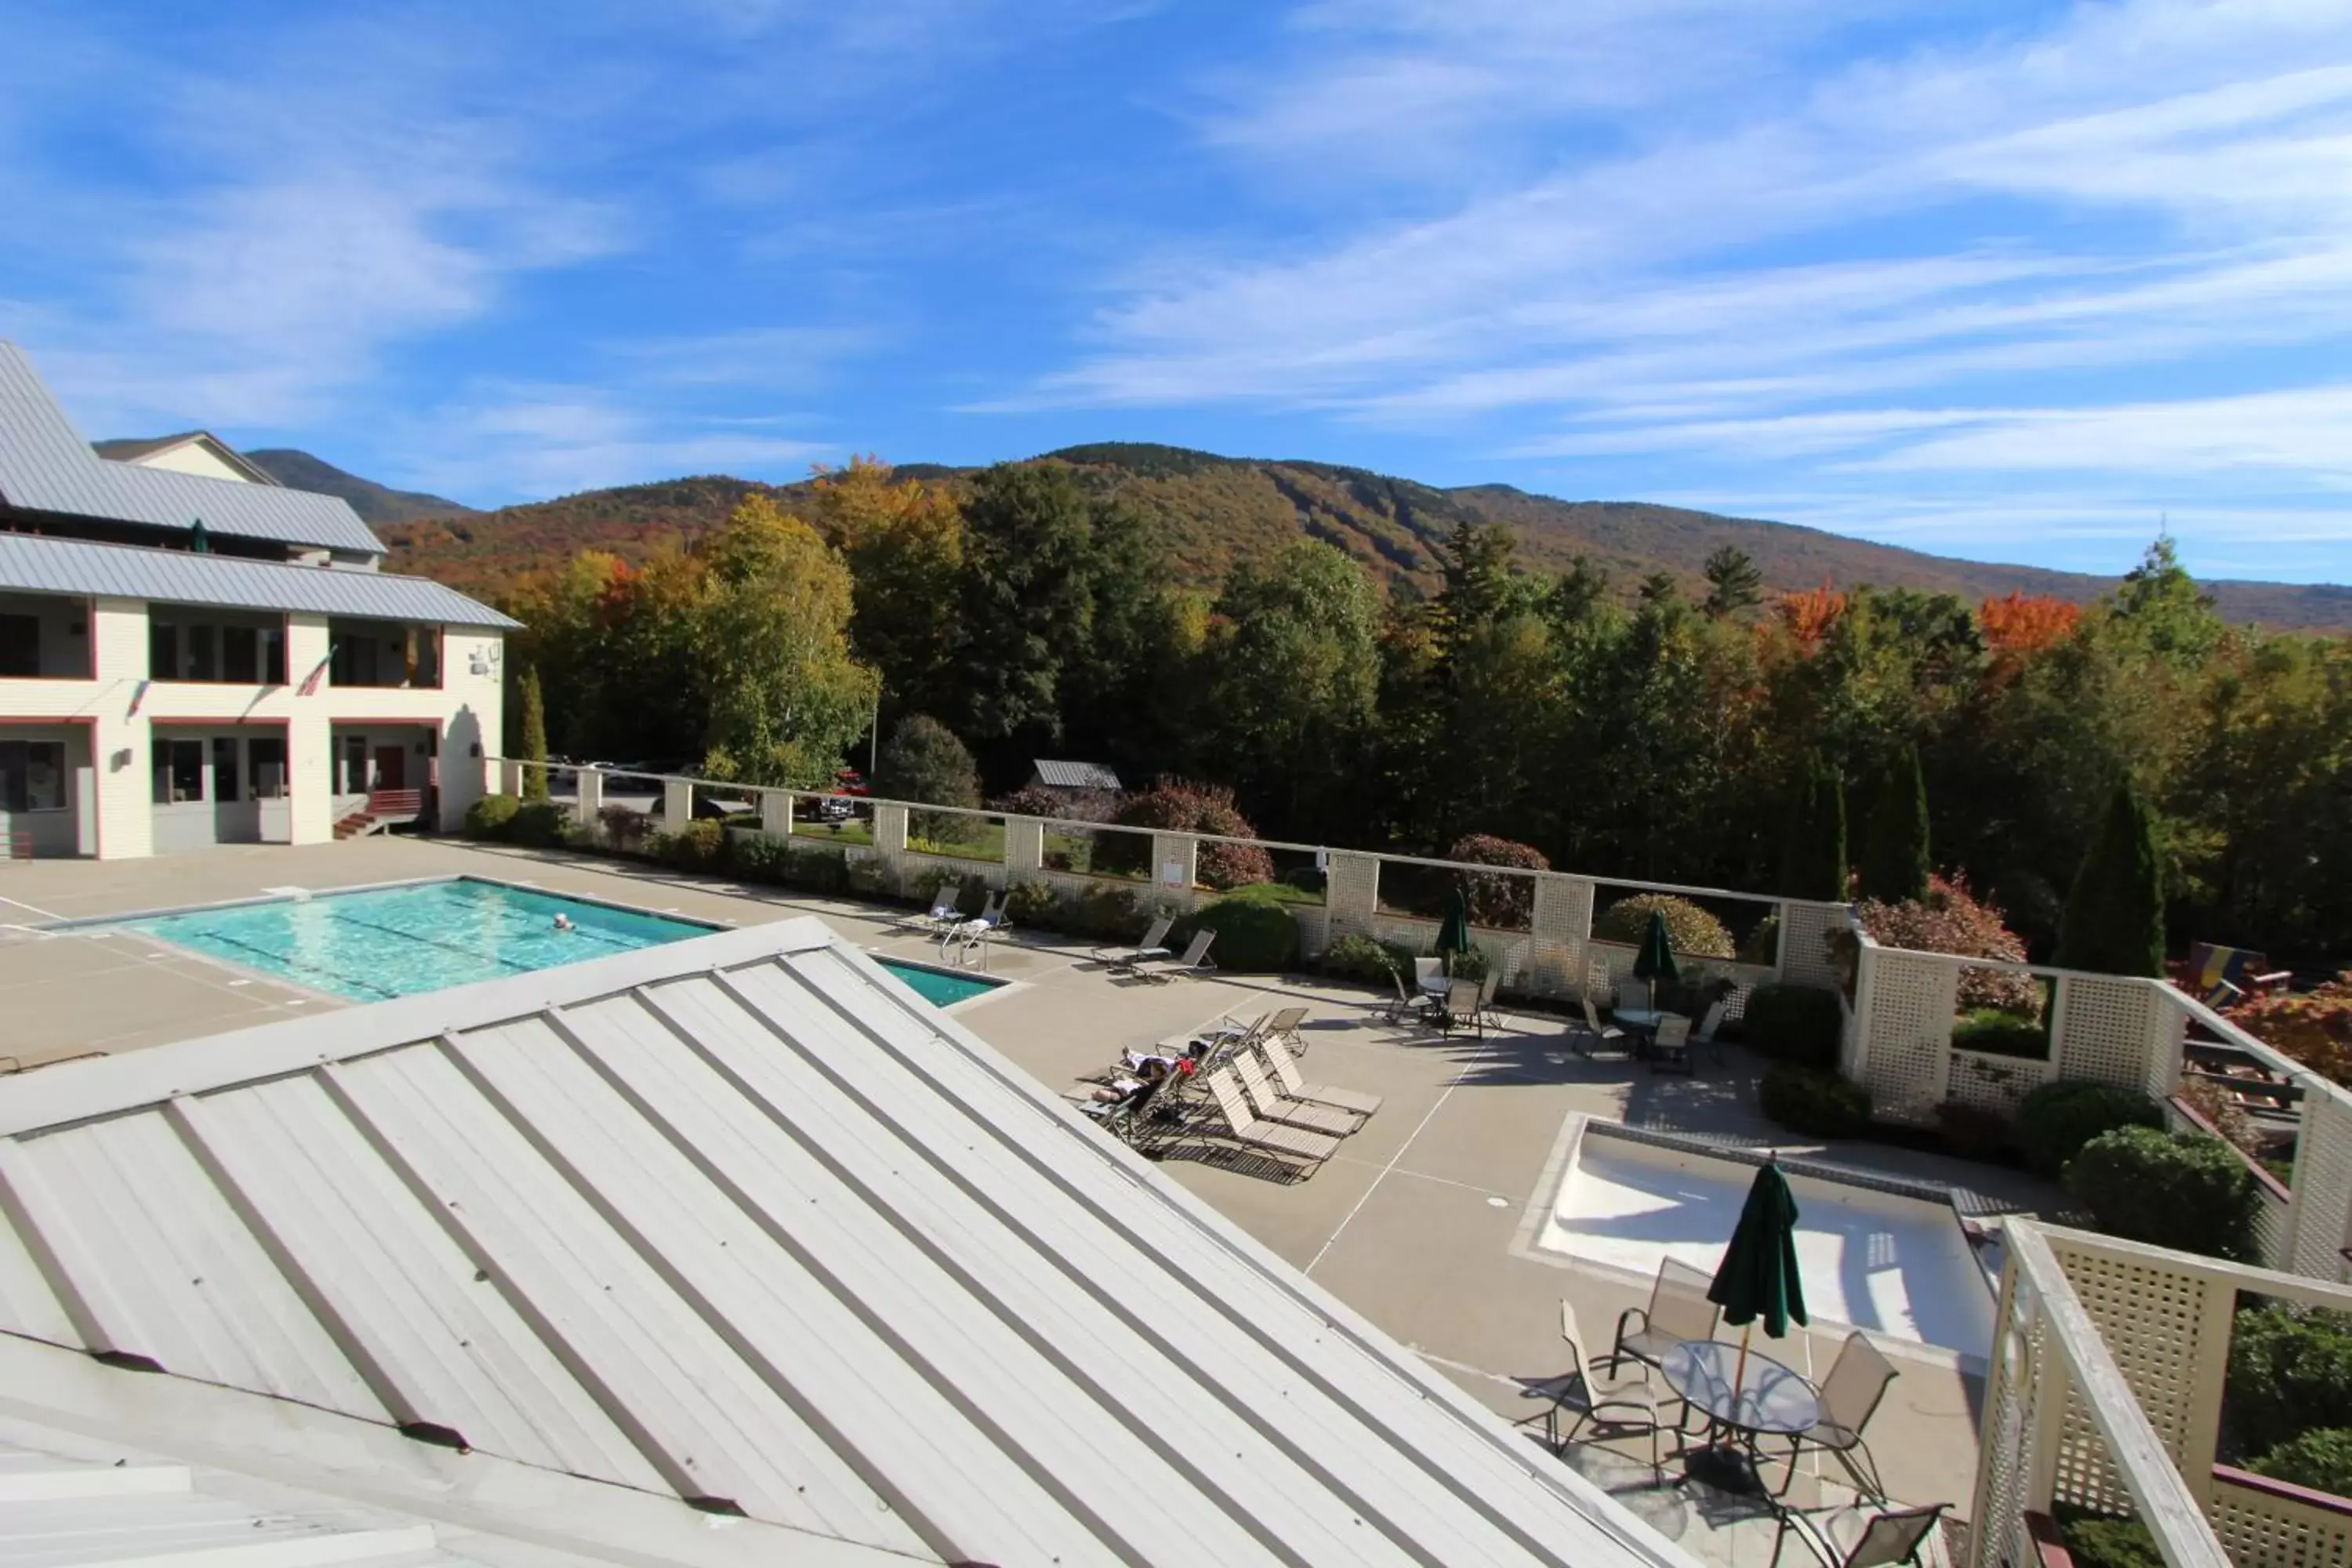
[{"x": 1413, "y": 1223}]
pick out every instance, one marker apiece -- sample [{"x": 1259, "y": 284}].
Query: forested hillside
[
  {"x": 1209, "y": 512},
  {"x": 376, "y": 504}
]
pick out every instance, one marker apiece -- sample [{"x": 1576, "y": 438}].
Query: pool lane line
[{"x": 1418, "y": 1128}]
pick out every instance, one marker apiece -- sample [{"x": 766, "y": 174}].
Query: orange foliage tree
[
  {"x": 2016, "y": 626},
  {"x": 1811, "y": 614}
]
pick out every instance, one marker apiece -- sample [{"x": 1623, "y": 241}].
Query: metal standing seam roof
[
  {"x": 45, "y": 466},
  {"x": 1075, "y": 775},
  {"x": 33, "y": 562},
  {"x": 741, "y": 1221}
]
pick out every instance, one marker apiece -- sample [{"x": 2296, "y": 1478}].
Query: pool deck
[{"x": 1413, "y": 1223}]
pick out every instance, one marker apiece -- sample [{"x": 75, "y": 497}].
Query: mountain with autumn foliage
[{"x": 1212, "y": 510}]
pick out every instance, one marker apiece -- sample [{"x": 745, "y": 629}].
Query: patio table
[
  {"x": 1642, "y": 1023},
  {"x": 1770, "y": 1398}
]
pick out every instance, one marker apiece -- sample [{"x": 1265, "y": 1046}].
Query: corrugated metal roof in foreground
[
  {"x": 36, "y": 562},
  {"x": 742, "y": 1221},
  {"x": 45, "y": 466}
]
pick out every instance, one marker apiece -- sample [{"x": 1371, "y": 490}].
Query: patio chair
[
  {"x": 1281, "y": 1062},
  {"x": 1670, "y": 1047},
  {"x": 1850, "y": 1394},
  {"x": 1274, "y": 1106},
  {"x": 1194, "y": 958},
  {"x": 1149, "y": 947},
  {"x": 1243, "y": 1126},
  {"x": 1486, "y": 989},
  {"x": 1624, "y": 1405},
  {"x": 1633, "y": 992},
  {"x": 1678, "y": 1311},
  {"x": 940, "y": 915},
  {"x": 1597, "y": 1035},
  {"x": 1286, "y": 1027},
  {"x": 1707, "y": 1026},
  {"x": 1851, "y": 1538},
  {"x": 1461, "y": 1008},
  {"x": 1395, "y": 1011}
]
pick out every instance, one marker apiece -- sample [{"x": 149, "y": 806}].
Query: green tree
[
  {"x": 1814, "y": 863},
  {"x": 904, "y": 544},
  {"x": 1733, "y": 583},
  {"x": 2162, "y": 604},
  {"x": 1895, "y": 855},
  {"x": 2115, "y": 917},
  {"x": 923, "y": 761},
  {"x": 771, "y": 629},
  {"x": 534, "y": 734},
  {"x": 1026, "y": 602}
]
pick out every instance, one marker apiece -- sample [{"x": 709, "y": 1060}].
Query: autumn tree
[{"x": 904, "y": 544}]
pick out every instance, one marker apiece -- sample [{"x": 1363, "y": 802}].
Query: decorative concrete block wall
[
  {"x": 1351, "y": 893},
  {"x": 1025, "y": 850}
]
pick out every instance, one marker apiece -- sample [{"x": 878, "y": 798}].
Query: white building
[{"x": 192, "y": 654}]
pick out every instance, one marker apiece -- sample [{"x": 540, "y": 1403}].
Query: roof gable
[
  {"x": 740, "y": 1220},
  {"x": 190, "y": 452},
  {"x": 45, "y": 466}
]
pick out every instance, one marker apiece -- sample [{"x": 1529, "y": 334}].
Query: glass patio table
[{"x": 1769, "y": 1398}]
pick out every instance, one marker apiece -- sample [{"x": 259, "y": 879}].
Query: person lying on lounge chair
[{"x": 1123, "y": 1091}]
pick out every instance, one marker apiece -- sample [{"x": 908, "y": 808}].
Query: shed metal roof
[
  {"x": 742, "y": 1221},
  {"x": 45, "y": 466},
  {"x": 32, "y": 562},
  {"x": 1075, "y": 775}
]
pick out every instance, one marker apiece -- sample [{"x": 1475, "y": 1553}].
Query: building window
[
  {"x": 32, "y": 775},
  {"x": 162, "y": 651},
  {"x": 355, "y": 765},
  {"x": 20, "y": 645},
  {"x": 179, "y": 771},
  {"x": 225, "y": 769},
  {"x": 241, "y": 655},
  {"x": 202, "y": 663},
  {"x": 269, "y": 758},
  {"x": 273, "y": 656}
]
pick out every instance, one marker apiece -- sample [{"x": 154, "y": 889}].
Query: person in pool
[{"x": 563, "y": 922}]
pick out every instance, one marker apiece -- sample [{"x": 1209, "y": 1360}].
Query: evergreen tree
[
  {"x": 1813, "y": 858},
  {"x": 923, "y": 761},
  {"x": 1733, "y": 583},
  {"x": 2115, "y": 917},
  {"x": 1894, "y": 863},
  {"x": 534, "y": 734}
]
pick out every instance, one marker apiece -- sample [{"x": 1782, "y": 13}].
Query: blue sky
[{"x": 2016, "y": 281}]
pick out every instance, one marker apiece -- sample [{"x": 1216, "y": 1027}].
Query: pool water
[
  {"x": 401, "y": 942},
  {"x": 939, "y": 987}
]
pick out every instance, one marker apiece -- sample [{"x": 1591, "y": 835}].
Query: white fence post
[
  {"x": 677, "y": 804},
  {"x": 1560, "y": 926},
  {"x": 1175, "y": 865},
  {"x": 591, "y": 791},
  {"x": 1351, "y": 893},
  {"x": 776, "y": 812},
  {"x": 890, "y": 831}
]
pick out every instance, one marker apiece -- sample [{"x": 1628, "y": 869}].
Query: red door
[{"x": 391, "y": 767}]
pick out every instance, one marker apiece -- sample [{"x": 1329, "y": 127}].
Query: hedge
[
  {"x": 1994, "y": 1032},
  {"x": 2290, "y": 1372},
  {"x": 1255, "y": 934},
  {"x": 2320, "y": 1460},
  {"x": 1802, "y": 1025},
  {"x": 1816, "y": 1104},
  {"x": 2182, "y": 1190},
  {"x": 487, "y": 817},
  {"x": 1694, "y": 933},
  {"x": 2056, "y": 1120},
  {"x": 539, "y": 824}
]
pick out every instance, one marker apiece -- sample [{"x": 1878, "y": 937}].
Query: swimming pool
[
  {"x": 939, "y": 987},
  {"x": 383, "y": 943}
]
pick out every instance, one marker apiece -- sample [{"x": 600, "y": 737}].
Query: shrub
[
  {"x": 1694, "y": 933},
  {"x": 1504, "y": 903},
  {"x": 759, "y": 857},
  {"x": 1360, "y": 959},
  {"x": 924, "y": 762},
  {"x": 694, "y": 847},
  {"x": 2056, "y": 1120},
  {"x": 1974, "y": 1131},
  {"x": 2290, "y": 1372},
  {"x": 1255, "y": 935},
  {"x": 2181, "y": 1190},
  {"x": 2220, "y": 1110},
  {"x": 2320, "y": 1460},
  {"x": 872, "y": 880},
  {"x": 2313, "y": 1027},
  {"x": 1952, "y": 920},
  {"x": 2097, "y": 1541},
  {"x": 1471, "y": 964},
  {"x": 2114, "y": 916},
  {"x": 488, "y": 816},
  {"x": 1032, "y": 904},
  {"x": 1800, "y": 1024},
  {"x": 539, "y": 824},
  {"x": 1111, "y": 914},
  {"x": 816, "y": 870},
  {"x": 625, "y": 827},
  {"x": 1999, "y": 1034},
  {"x": 534, "y": 733},
  {"x": 1816, "y": 1104},
  {"x": 1173, "y": 805}
]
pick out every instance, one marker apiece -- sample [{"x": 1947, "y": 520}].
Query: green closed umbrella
[
  {"x": 1454, "y": 935},
  {"x": 1757, "y": 1282},
  {"x": 1655, "y": 961},
  {"x": 198, "y": 540}
]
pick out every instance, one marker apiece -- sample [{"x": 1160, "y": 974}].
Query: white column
[
  {"x": 591, "y": 796},
  {"x": 309, "y": 745},
  {"x": 677, "y": 804},
  {"x": 120, "y": 764},
  {"x": 776, "y": 813}
]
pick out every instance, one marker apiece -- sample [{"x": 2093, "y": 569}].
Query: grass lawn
[{"x": 852, "y": 832}]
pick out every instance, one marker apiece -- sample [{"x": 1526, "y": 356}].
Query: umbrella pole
[{"x": 1739, "y": 1368}]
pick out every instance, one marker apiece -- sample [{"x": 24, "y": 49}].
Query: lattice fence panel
[
  {"x": 2322, "y": 1219},
  {"x": 2259, "y": 1531},
  {"x": 2151, "y": 1320},
  {"x": 2011, "y": 1449},
  {"x": 1562, "y": 921},
  {"x": 1351, "y": 892},
  {"x": 1994, "y": 1083},
  {"x": 2168, "y": 1035},
  {"x": 1909, "y": 1029},
  {"x": 2104, "y": 1028},
  {"x": 1804, "y": 943},
  {"x": 1024, "y": 848},
  {"x": 1314, "y": 929}
]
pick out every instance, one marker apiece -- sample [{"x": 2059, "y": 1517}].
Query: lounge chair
[
  {"x": 1616, "y": 1404},
  {"x": 1850, "y": 1394},
  {"x": 1670, "y": 1048},
  {"x": 1405, "y": 1004},
  {"x": 1848, "y": 1538},
  {"x": 1149, "y": 947},
  {"x": 1194, "y": 959},
  {"x": 1284, "y": 1066},
  {"x": 942, "y": 913},
  {"x": 1487, "y": 990},
  {"x": 1244, "y": 1128},
  {"x": 1271, "y": 1104},
  {"x": 1597, "y": 1035},
  {"x": 1707, "y": 1026},
  {"x": 1678, "y": 1311}
]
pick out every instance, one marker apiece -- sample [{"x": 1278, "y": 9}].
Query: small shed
[{"x": 1048, "y": 774}]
